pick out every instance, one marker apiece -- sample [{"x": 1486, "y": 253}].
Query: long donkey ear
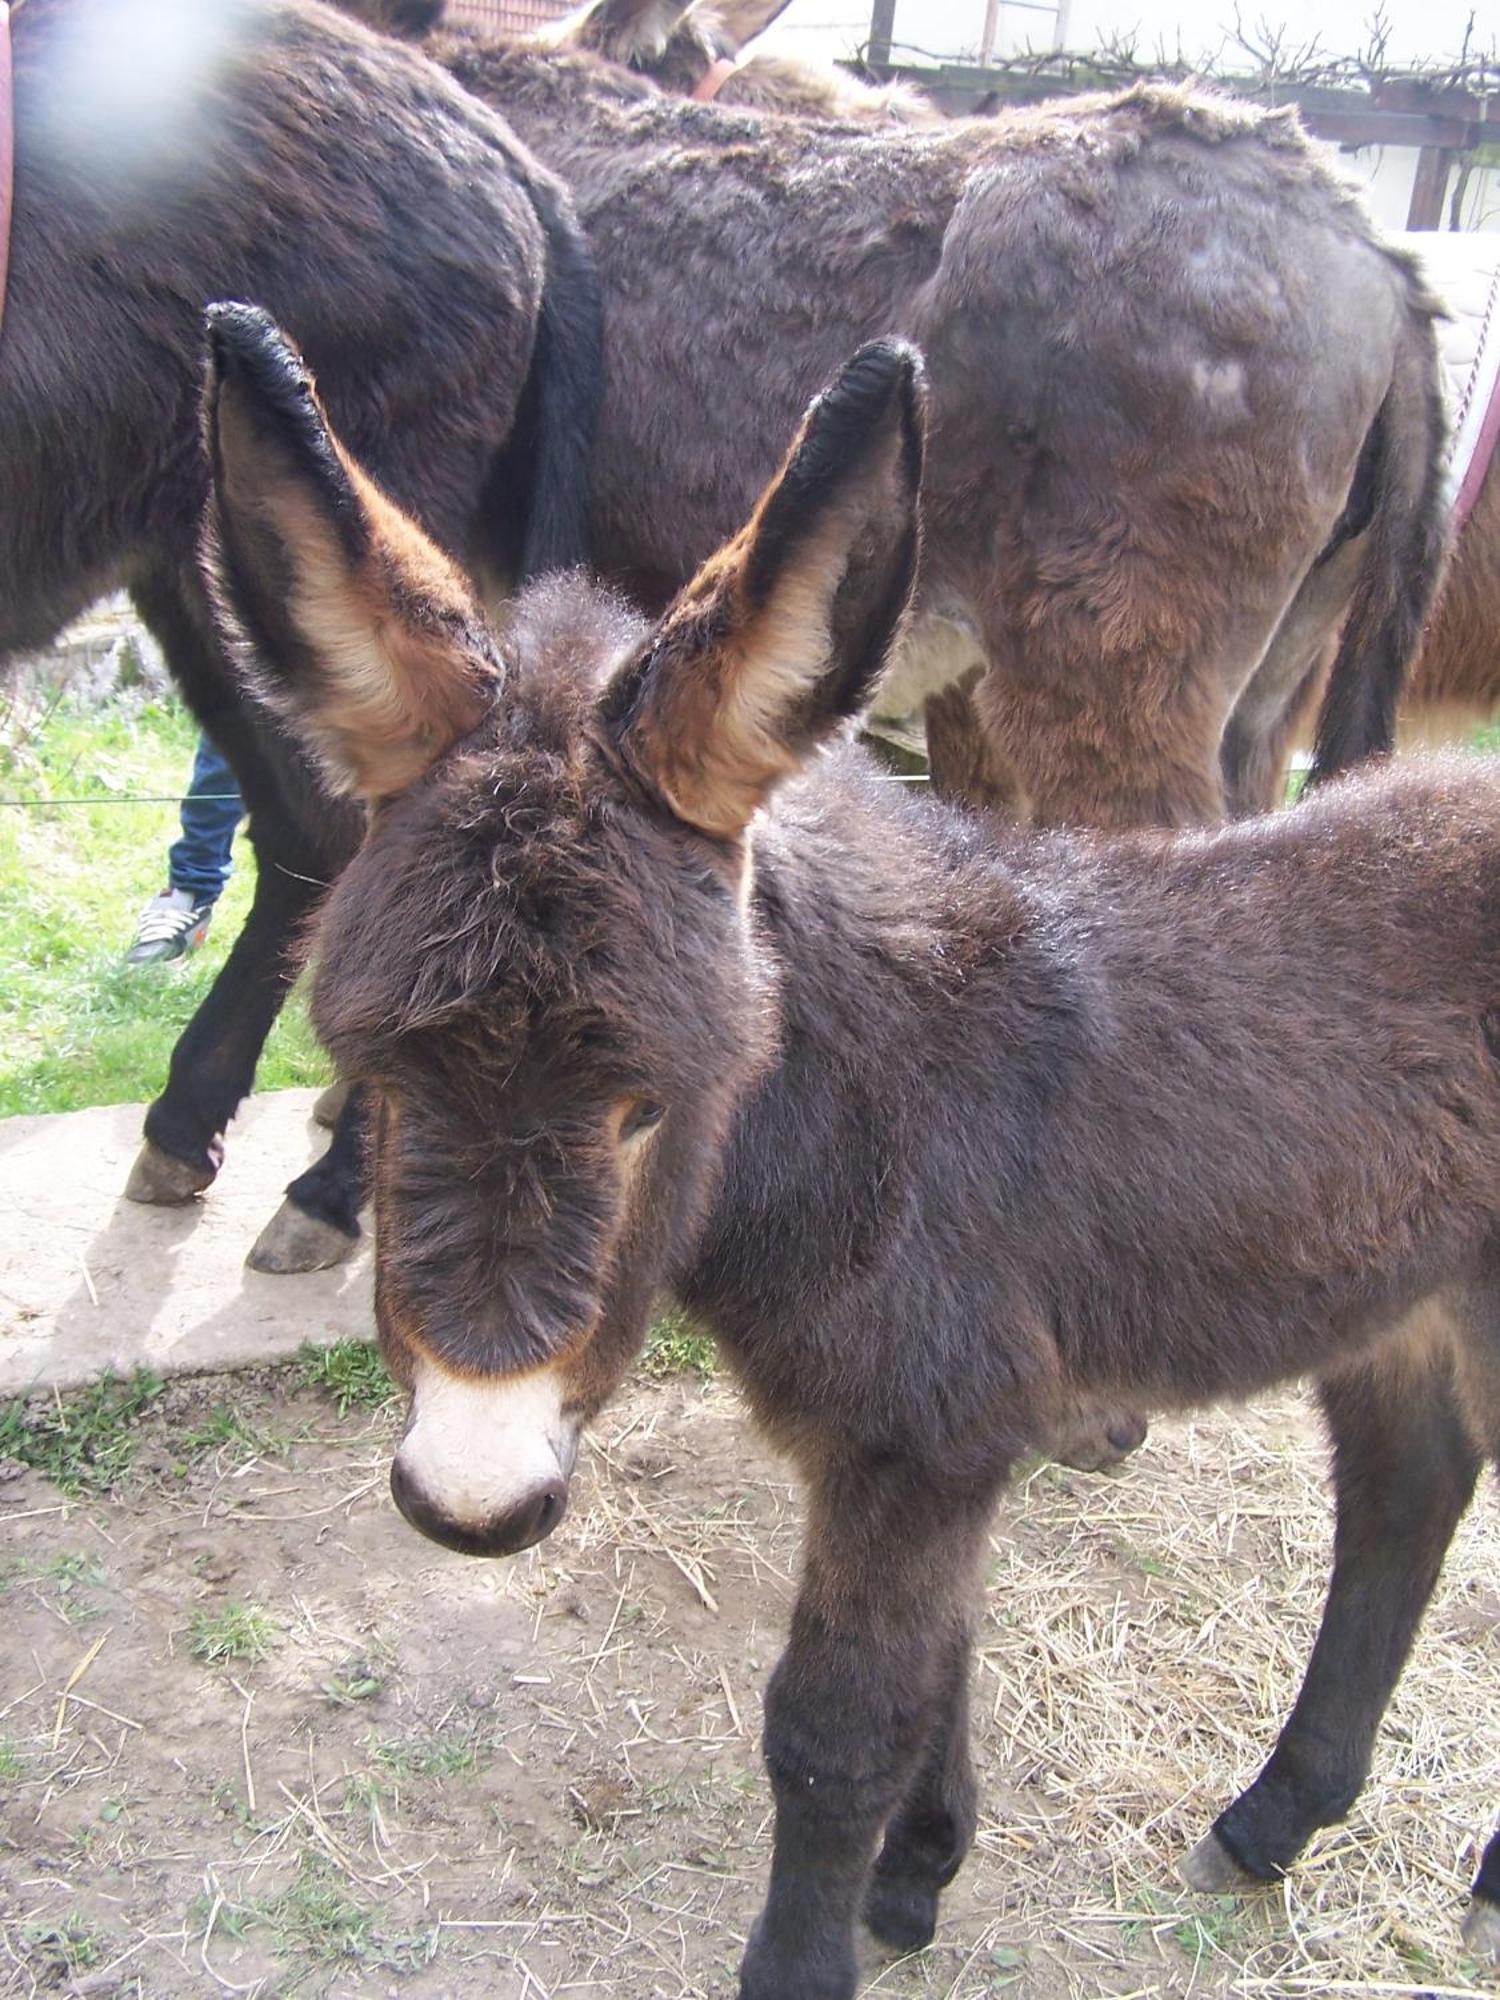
[
  {"x": 354, "y": 626},
  {"x": 631, "y": 32},
  {"x": 785, "y": 631},
  {"x": 740, "y": 21}
]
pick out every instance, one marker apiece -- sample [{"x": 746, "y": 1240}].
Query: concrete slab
[{"x": 91, "y": 1282}]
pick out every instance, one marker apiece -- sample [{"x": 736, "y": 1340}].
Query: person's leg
[{"x": 200, "y": 860}]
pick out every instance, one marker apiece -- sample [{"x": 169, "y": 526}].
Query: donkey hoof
[
  {"x": 328, "y": 1107},
  {"x": 164, "y": 1181},
  {"x": 1105, "y": 1442},
  {"x": 295, "y": 1241},
  {"x": 766, "y": 1976},
  {"x": 1482, "y": 1929},
  {"x": 901, "y": 1914},
  {"x": 1212, "y": 1868}
]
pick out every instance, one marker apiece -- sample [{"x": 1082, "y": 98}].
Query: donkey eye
[{"x": 641, "y": 1119}]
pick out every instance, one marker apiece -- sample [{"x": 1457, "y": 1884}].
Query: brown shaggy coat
[
  {"x": 660, "y": 986},
  {"x": 1184, "y": 404},
  {"x": 280, "y": 153}
]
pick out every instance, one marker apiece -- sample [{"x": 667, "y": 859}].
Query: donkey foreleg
[
  {"x": 932, "y": 1828},
  {"x": 213, "y": 1064},
  {"x": 1404, "y": 1469},
  {"x": 852, "y": 1709},
  {"x": 318, "y": 1223}
]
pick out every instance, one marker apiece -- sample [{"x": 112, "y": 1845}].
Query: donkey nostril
[
  {"x": 502, "y": 1535},
  {"x": 536, "y": 1521}
]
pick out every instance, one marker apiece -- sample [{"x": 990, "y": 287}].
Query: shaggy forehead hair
[{"x": 501, "y": 885}]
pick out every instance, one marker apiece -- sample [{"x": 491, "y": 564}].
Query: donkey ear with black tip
[
  {"x": 783, "y": 634},
  {"x": 346, "y": 618}
]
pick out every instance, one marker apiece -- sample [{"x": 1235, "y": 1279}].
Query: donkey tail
[
  {"x": 1397, "y": 496},
  {"x": 565, "y": 389}
]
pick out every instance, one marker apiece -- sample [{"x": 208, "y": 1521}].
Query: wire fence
[
  {"x": 507, "y": 17},
  {"x": 215, "y": 798}
]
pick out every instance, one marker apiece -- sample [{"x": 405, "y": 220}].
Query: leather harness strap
[
  {"x": 714, "y": 80},
  {"x": 7, "y": 150}
]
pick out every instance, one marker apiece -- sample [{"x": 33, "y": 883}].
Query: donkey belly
[{"x": 1286, "y": 1132}]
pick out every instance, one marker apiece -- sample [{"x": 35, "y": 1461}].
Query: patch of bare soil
[{"x": 257, "y": 1738}]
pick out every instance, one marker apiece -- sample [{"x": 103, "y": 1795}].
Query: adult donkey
[
  {"x": 1185, "y": 408},
  {"x": 706, "y": 49},
  {"x": 170, "y": 155},
  {"x": 1454, "y": 684},
  {"x": 710, "y": 51},
  {"x": 937, "y": 1137}
]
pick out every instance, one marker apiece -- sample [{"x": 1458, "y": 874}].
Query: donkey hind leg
[
  {"x": 933, "y": 1827},
  {"x": 1482, "y": 1920},
  {"x": 1404, "y": 1467},
  {"x": 1479, "y": 1387},
  {"x": 317, "y": 1225},
  {"x": 966, "y": 762},
  {"x": 850, "y": 1709},
  {"x": 1278, "y": 706}
]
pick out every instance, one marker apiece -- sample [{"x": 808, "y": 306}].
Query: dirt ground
[
  {"x": 90, "y": 1281},
  {"x": 450, "y": 1778}
]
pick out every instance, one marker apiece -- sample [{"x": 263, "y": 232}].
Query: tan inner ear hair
[
  {"x": 717, "y": 740},
  {"x": 395, "y": 691}
]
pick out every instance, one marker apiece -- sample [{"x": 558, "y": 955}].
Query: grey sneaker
[{"x": 171, "y": 926}]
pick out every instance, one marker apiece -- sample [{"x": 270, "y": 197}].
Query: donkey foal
[{"x": 940, "y": 1137}]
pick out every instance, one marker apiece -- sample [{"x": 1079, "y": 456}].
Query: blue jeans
[{"x": 200, "y": 861}]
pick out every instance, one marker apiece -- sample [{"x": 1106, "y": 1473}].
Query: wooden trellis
[{"x": 511, "y": 17}]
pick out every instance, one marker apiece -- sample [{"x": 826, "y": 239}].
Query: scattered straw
[
  {"x": 72, "y": 1681},
  {"x": 248, "y": 1697}
]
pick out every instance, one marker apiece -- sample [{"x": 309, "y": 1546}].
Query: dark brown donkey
[
  {"x": 1184, "y": 404},
  {"x": 167, "y": 156},
  {"x": 937, "y": 1138}
]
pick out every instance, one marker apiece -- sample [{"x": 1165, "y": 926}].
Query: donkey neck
[{"x": 921, "y": 1006}]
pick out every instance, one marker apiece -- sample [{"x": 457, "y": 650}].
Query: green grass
[
  {"x": 67, "y": 1581},
  {"x": 61, "y": 1951},
  {"x": 675, "y": 1346},
  {"x": 351, "y": 1372},
  {"x": 360, "y": 1680},
  {"x": 219, "y": 1634},
  {"x": 317, "y": 1918},
  {"x": 81, "y": 1029},
  {"x": 224, "y": 1428},
  {"x": 1216, "y": 1929},
  {"x": 452, "y": 1752},
  {"x": 83, "y": 1444}
]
